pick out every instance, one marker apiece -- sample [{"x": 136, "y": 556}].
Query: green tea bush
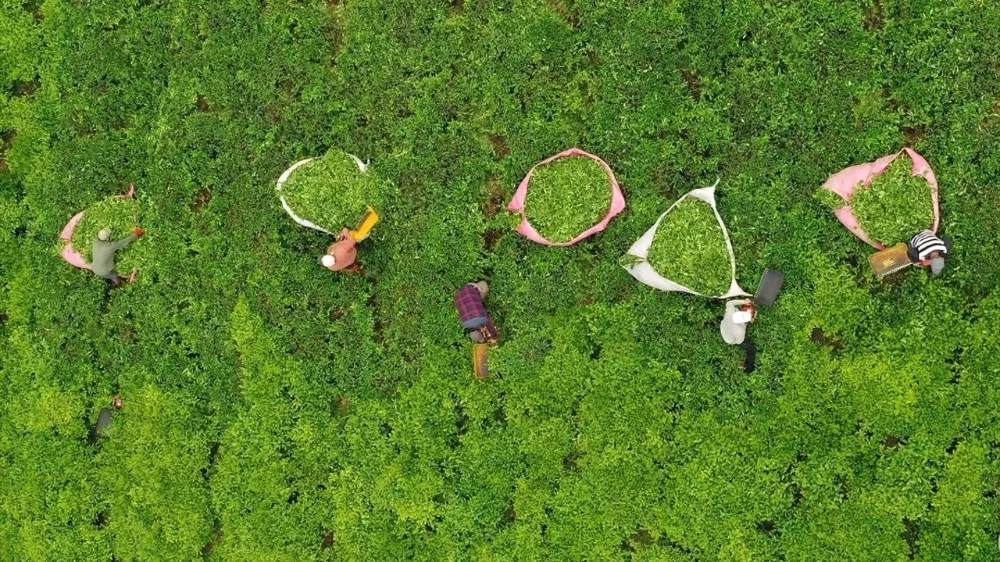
[
  {"x": 151, "y": 465},
  {"x": 689, "y": 248},
  {"x": 332, "y": 191},
  {"x": 896, "y": 205},
  {"x": 567, "y": 196}
]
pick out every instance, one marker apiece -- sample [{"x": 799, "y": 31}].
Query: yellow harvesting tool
[
  {"x": 889, "y": 260},
  {"x": 364, "y": 228},
  {"x": 480, "y": 361}
]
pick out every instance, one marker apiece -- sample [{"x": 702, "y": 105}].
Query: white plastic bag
[
  {"x": 284, "y": 177},
  {"x": 645, "y": 272}
]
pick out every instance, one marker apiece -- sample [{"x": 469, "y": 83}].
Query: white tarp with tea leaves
[
  {"x": 645, "y": 273},
  {"x": 295, "y": 217}
]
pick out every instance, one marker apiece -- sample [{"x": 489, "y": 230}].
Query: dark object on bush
[
  {"x": 770, "y": 286},
  {"x": 103, "y": 420},
  {"x": 750, "y": 363}
]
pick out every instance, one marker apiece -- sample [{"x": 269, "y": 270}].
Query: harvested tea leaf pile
[
  {"x": 332, "y": 191},
  {"x": 689, "y": 248},
  {"x": 896, "y": 205},
  {"x": 567, "y": 196},
  {"x": 121, "y": 216}
]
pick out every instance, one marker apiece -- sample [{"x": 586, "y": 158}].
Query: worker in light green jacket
[{"x": 103, "y": 264}]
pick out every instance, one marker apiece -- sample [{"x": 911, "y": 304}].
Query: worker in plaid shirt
[{"x": 476, "y": 321}]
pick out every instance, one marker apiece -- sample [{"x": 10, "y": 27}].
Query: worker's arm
[
  {"x": 490, "y": 331},
  {"x": 123, "y": 242},
  {"x": 732, "y": 306},
  {"x": 345, "y": 236}
]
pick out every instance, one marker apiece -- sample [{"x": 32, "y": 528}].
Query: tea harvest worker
[
  {"x": 739, "y": 313},
  {"x": 104, "y": 254},
  {"x": 477, "y": 322},
  {"x": 927, "y": 250},
  {"x": 342, "y": 255}
]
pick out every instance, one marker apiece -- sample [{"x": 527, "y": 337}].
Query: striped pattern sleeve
[{"x": 926, "y": 243}]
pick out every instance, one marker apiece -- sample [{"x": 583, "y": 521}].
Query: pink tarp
[
  {"x": 529, "y": 232},
  {"x": 71, "y": 255},
  {"x": 844, "y": 183}
]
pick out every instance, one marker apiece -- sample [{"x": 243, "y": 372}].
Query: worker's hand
[
  {"x": 489, "y": 334},
  {"x": 139, "y": 233},
  {"x": 344, "y": 234}
]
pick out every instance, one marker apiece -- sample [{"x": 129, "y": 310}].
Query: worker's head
[
  {"x": 477, "y": 336},
  {"x": 327, "y": 260},
  {"x": 937, "y": 264},
  {"x": 104, "y": 235},
  {"x": 483, "y": 287}
]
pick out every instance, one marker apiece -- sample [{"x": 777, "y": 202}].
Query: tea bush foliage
[{"x": 273, "y": 411}]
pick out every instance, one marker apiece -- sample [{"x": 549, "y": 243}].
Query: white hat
[
  {"x": 327, "y": 260},
  {"x": 104, "y": 235}
]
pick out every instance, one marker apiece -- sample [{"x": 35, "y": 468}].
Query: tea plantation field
[{"x": 275, "y": 411}]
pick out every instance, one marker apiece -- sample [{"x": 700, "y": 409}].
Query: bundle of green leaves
[
  {"x": 332, "y": 191},
  {"x": 568, "y": 196},
  {"x": 896, "y": 205},
  {"x": 121, "y": 216},
  {"x": 829, "y": 199},
  {"x": 689, "y": 248}
]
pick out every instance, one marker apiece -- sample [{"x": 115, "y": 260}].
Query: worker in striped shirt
[{"x": 927, "y": 250}]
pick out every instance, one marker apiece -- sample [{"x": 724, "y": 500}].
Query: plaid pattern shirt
[{"x": 470, "y": 308}]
